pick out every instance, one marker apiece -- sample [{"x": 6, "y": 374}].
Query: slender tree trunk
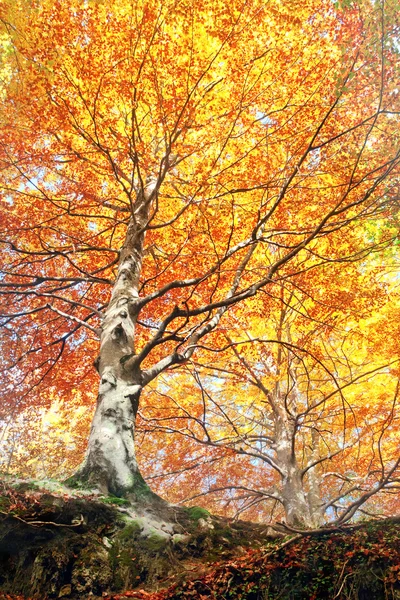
[
  {"x": 110, "y": 462},
  {"x": 313, "y": 479}
]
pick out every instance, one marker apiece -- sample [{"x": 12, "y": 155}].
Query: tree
[
  {"x": 166, "y": 165},
  {"x": 286, "y": 407}
]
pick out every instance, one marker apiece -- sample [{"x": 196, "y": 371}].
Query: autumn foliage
[{"x": 231, "y": 172}]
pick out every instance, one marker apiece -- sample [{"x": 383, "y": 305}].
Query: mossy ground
[
  {"x": 52, "y": 544},
  {"x": 114, "y": 500},
  {"x": 86, "y": 544},
  {"x": 355, "y": 564}
]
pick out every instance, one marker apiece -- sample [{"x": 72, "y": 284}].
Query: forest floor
[{"x": 59, "y": 543}]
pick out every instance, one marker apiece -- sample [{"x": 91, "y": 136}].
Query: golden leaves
[{"x": 272, "y": 127}]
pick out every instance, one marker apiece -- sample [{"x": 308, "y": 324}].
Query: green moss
[
  {"x": 125, "y": 558},
  {"x": 130, "y": 530},
  {"x": 25, "y": 486},
  {"x": 140, "y": 490},
  {"x": 121, "y": 561},
  {"x": 75, "y": 483},
  {"x": 196, "y": 513},
  {"x": 114, "y": 500},
  {"x": 155, "y": 542},
  {"x": 4, "y": 502}
]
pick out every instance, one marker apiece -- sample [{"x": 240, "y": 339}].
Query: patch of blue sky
[{"x": 264, "y": 119}]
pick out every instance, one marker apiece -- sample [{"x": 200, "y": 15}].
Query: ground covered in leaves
[
  {"x": 363, "y": 564},
  {"x": 59, "y": 544}
]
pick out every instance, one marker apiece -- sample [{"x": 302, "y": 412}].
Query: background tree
[
  {"x": 166, "y": 165},
  {"x": 297, "y": 414}
]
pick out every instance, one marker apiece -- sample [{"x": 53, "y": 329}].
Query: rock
[
  {"x": 205, "y": 524},
  {"x": 179, "y": 538}
]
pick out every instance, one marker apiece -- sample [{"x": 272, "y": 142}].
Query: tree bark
[
  {"x": 110, "y": 463},
  {"x": 314, "y": 483},
  {"x": 302, "y": 506},
  {"x": 294, "y": 499}
]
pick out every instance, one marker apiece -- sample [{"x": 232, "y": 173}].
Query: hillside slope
[{"x": 55, "y": 543}]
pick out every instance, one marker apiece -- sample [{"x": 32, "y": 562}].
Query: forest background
[{"x": 212, "y": 192}]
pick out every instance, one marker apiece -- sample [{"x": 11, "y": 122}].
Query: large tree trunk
[
  {"x": 302, "y": 505},
  {"x": 110, "y": 462},
  {"x": 294, "y": 499}
]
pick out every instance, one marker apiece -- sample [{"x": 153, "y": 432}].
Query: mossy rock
[
  {"x": 197, "y": 512},
  {"x": 92, "y": 573},
  {"x": 130, "y": 531},
  {"x": 95, "y": 546},
  {"x": 155, "y": 542}
]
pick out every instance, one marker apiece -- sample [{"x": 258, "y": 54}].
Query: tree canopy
[{"x": 211, "y": 190}]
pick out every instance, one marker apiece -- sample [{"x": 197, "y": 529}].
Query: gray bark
[
  {"x": 302, "y": 506},
  {"x": 110, "y": 463},
  {"x": 314, "y": 483}
]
